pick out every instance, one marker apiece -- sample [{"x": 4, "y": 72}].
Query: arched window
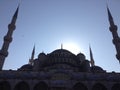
[
  {"x": 4, "y": 85},
  {"x": 116, "y": 86},
  {"x": 22, "y": 86},
  {"x": 79, "y": 86},
  {"x": 41, "y": 86},
  {"x": 99, "y": 86}
]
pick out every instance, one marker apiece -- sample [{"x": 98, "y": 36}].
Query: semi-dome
[
  {"x": 26, "y": 67},
  {"x": 81, "y": 56},
  {"x": 97, "y": 69},
  {"x": 41, "y": 55}
]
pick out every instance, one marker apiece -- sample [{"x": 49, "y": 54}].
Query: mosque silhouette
[{"x": 58, "y": 70}]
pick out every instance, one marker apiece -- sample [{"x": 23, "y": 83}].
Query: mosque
[{"x": 58, "y": 70}]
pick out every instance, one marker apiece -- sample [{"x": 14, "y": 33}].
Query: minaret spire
[
  {"x": 92, "y": 62},
  {"x": 8, "y": 39},
  {"x": 113, "y": 29},
  {"x": 32, "y": 56},
  {"x": 110, "y": 17},
  {"x": 14, "y": 18}
]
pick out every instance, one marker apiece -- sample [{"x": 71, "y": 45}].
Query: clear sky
[{"x": 48, "y": 23}]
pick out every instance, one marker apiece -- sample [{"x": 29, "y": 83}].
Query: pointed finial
[
  {"x": 33, "y": 52},
  {"x": 32, "y": 56},
  {"x": 91, "y": 57},
  {"x": 110, "y": 18},
  {"x": 14, "y": 18},
  {"x": 61, "y": 46},
  {"x": 42, "y": 51},
  {"x": 109, "y": 14}
]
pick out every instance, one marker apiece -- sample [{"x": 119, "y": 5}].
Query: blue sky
[{"x": 50, "y": 23}]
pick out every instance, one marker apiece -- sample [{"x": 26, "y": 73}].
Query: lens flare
[{"x": 73, "y": 47}]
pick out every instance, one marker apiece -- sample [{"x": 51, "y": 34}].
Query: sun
[{"x": 72, "y": 47}]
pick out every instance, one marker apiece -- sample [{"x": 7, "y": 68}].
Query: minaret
[
  {"x": 113, "y": 29},
  {"x": 32, "y": 56},
  {"x": 8, "y": 39},
  {"x": 92, "y": 62}
]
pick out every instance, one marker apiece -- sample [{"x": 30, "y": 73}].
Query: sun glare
[{"x": 72, "y": 47}]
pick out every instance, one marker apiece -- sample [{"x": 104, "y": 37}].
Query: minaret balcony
[
  {"x": 116, "y": 41},
  {"x": 11, "y": 26},
  {"x": 113, "y": 28},
  {"x": 9, "y": 39},
  {"x": 3, "y": 53}
]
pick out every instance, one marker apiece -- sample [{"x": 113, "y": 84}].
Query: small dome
[
  {"x": 97, "y": 69},
  {"x": 81, "y": 56},
  {"x": 41, "y": 55},
  {"x": 26, "y": 67}
]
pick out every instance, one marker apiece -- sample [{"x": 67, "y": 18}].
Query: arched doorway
[
  {"x": 4, "y": 85},
  {"x": 22, "y": 86},
  {"x": 116, "y": 86},
  {"x": 99, "y": 86},
  {"x": 79, "y": 86},
  {"x": 41, "y": 86}
]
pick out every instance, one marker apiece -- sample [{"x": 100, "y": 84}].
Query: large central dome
[
  {"x": 62, "y": 52},
  {"x": 63, "y": 59},
  {"x": 61, "y": 56}
]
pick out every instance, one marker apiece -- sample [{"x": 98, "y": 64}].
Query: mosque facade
[{"x": 58, "y": 70}]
